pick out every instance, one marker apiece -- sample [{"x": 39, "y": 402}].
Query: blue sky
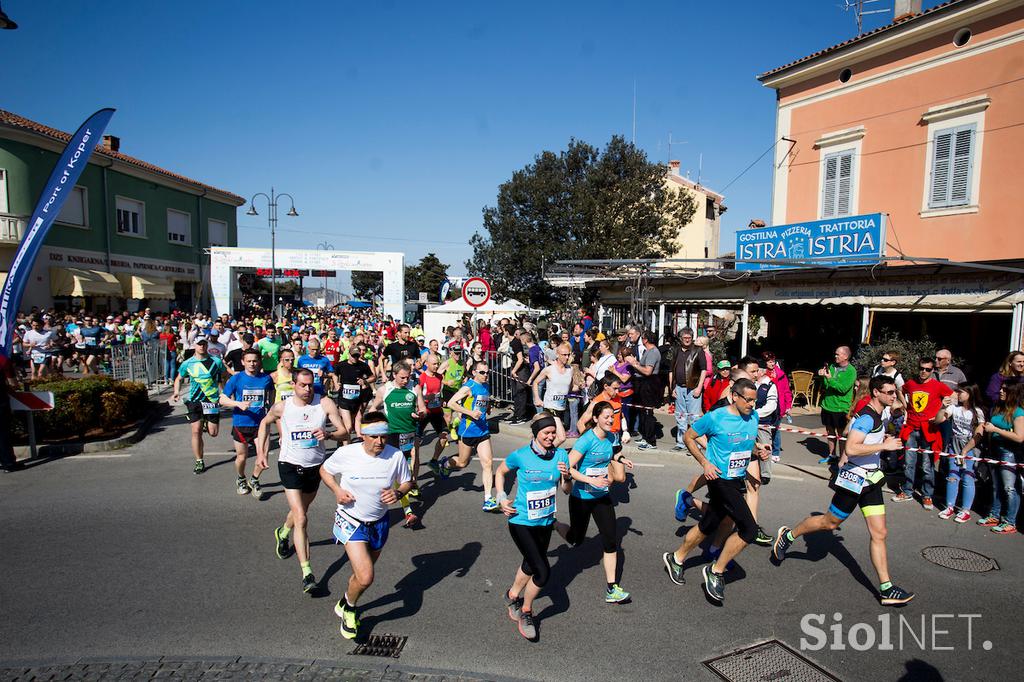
[{"x": 393, "y": 123}]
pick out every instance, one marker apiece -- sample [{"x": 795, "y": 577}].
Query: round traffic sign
[{"x": 476, "y": 292}]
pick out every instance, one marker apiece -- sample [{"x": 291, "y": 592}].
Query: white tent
[{"x": 437, "y": 318}]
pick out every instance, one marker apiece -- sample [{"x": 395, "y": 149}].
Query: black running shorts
[
  {"x": 194, "y": 413},
  {"x": 294, "y": 477},
  {"x": 245, "y": 434}
]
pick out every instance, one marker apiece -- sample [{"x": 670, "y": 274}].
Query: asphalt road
[{"x": 128, "y": 554}]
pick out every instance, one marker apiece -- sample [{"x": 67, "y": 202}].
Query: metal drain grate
[
  {"x": 766, "y": 662},
  {"x": 959, "y": 559},
  {"x": 385, "y": 646}
]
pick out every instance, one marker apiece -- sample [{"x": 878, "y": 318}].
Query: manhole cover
[
  {"x": 766, "y": 662},
  {"x": 959, "y": 559},
  {"x": 380, "y": 645}
]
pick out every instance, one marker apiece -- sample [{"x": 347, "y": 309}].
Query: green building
[{"x": 131, "y": 234}]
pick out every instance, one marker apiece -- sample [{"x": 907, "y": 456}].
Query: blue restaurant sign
[{"x": 850, "y": 240}]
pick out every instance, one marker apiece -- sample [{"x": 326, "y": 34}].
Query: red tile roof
[
  {"x": 923, "y": 16},
  {"x": 20, "y": 122}
]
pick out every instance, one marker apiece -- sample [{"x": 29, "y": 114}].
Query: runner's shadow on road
[
  {"x": 920, "y": 671},
  {"x": 620, "y": 492},
  {"x": 820, "y": 545},
  {"x": 573, "y": 560},
  {"x": 428, "y": 570},
  {"x": 815, "y": 446},
  {"x": 438, "y": 487}
]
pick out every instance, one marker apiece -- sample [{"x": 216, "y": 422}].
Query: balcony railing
[{"x": 12, "y": 228}]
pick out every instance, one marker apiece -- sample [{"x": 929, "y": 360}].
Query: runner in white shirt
[
  {"x": 302, "y": 421},
  {"x": 39, "y": 347},
  {"x": 363, "y": 477}
]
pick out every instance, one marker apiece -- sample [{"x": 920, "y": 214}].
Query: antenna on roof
[
  {"x": 672, "y": 142},
  {"x": 858, "y": 7},
  {"x": 634, "y": 112}
]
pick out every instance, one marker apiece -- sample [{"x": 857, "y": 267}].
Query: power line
[{"x": 743, "y": 172}]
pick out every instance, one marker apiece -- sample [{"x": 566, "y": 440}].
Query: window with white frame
[
  {"x": 952, "y": 167},
  {"x": 3, "y": 191},
  {"x": 218, "y": 232},
  {"x": 837, "y": 184},
  {"x": 75, "y": 209},
  {"x": 952, "y": 164},
  {"x": 179, "y": 227},
  {"x": 131, "y": 217}
]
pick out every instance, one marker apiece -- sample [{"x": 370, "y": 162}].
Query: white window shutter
[
  {"x": 845, "y": 184},
  {"x": 941, "y": 161},
  {"x": 829, "y": 184},
  {"x": 962, "y": 160}
]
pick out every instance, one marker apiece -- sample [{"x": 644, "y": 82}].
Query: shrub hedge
[{"x": 88, "y": 403}]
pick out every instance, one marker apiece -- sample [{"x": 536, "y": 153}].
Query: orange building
[{"x": 922, "y": 119}]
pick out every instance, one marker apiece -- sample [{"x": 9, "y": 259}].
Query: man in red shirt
[
  {"x": 430, "y": 386},
  {"x": 332, "y": 346},
  {"x": 925, "y": 396}
]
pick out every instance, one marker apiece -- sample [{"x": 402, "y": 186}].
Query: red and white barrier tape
[{"x": 825, "y": 436}]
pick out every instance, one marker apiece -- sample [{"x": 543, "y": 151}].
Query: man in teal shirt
[{"x": 837, "y": 381}]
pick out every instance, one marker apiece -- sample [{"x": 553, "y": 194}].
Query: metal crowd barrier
[
  {"x": 500, "y": 378},
  {"x": 145, "y": 362}
]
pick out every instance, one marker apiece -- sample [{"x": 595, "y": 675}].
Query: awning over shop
[
  {"x": 81, "y": 282},
  {"x": 145, "y": 286},
  {"x": 934, "y": 294}
]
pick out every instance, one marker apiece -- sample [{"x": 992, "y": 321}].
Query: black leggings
[
  {"x": 603, "y": 511},
  {"x": 532, "y": 542},
  {"x": 726, "y": 499}
]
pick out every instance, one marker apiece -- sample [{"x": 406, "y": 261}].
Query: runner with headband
[
  {"x": 540, "y": 467},
  {"x": 365, "y": 478}
]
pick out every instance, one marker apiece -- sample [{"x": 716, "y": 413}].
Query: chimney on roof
[
  {"x": 112, "y": 143},
  {"x": 904, "y": 9},
  {"x": 673, "y": 167}
]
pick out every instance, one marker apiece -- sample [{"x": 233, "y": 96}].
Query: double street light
[
  {"x": 326, "y": 247},
  {"x": 272, "y": 219}
]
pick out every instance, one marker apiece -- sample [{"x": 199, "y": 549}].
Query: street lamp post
[
  {"x": 326, "y": 247},
  {"x": 272, "y": 219}
]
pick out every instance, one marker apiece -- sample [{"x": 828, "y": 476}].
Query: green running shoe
[
  {"x": 308, "y": 583},
  {"x": 616, "y": 595},
  {"x": 349, "y": 619},
  {"x": 281, "y": 544}
]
